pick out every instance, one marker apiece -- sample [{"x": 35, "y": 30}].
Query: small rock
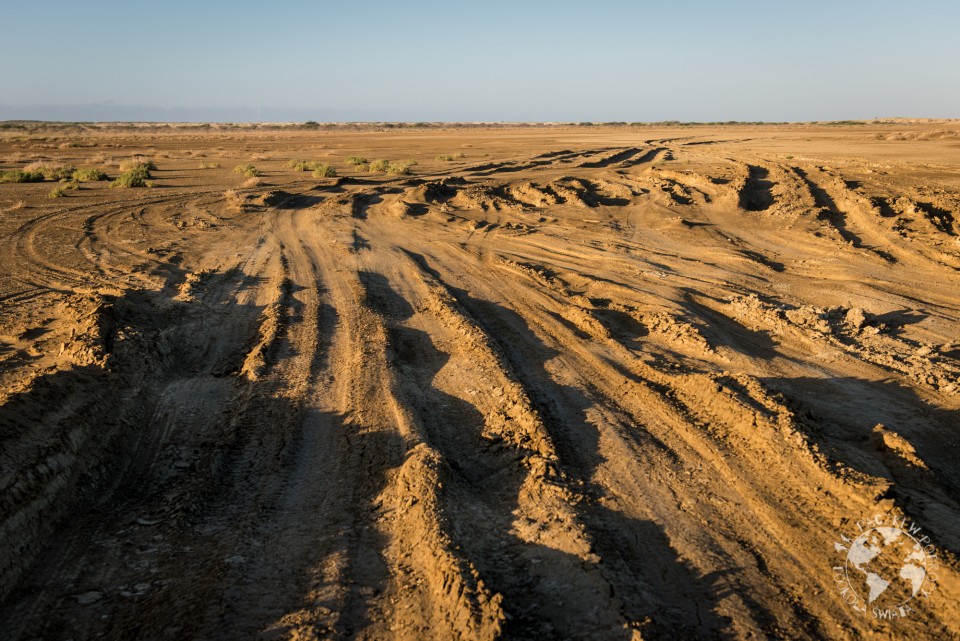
[{"x": 88, "y": 597}]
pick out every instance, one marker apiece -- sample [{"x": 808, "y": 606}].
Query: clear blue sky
[{"x": 492, "y": 60}]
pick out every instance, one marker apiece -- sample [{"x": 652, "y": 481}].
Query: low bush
[
  {"x": 89, "y": 175},
  {"x": 323, "y": 170},
  {"x": 356, "y": 160},
  {"x": 301, "y": 165},
  {"x": 247, "y": 170},
  {"x": 57, "y": 192},
  {"x": 20, "y": 176},
  {"x": 379, "y": 165},
  {"x": 138, "y": 161},
  {"x": 51, "y": 170},
  {"x": 133, "y": 176},
  {"x": 209, "y": 165},
  {"x": 401, "y": 168}
]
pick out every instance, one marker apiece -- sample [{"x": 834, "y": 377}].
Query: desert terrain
[{"x": 569, "y": 382}]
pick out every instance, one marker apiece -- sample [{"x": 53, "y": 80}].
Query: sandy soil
[{"x": 577, "y": 383}]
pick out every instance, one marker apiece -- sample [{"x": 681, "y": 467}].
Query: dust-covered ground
[{"x": 563, "y": 383}]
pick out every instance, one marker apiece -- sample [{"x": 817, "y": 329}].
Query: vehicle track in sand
[{"x": 609, "y": 389}]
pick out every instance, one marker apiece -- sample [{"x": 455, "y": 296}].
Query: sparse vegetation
[
  {"x": 234, "y": 200},
  {"x": 51, "y": 170},
  {"x": 101, "y": 159},
  {"x": 398, "y": 167},
  {"x": 300, "y": 165},
  {"x": 57, "y": 192},
  {"x": 138, "y": 161},
  {"x": 450, "y": 157},
  {"x": 247, "y": 170},
  {"x": 401, "y": 168},
  {"x": 20, "y": 176},
  {"x": 209, "y": 165},
  {"x": 89, "y": 175},
  {"x": 306, "y": 165},
  {"x": 356, "y": 160},
  {"x": 323, "y": 170},
  {"x": 135, "y": 175}
]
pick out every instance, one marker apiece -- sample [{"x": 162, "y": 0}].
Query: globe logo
[{"x": 885, "y": 566}]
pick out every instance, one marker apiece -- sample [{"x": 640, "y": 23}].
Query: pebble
[{"x": 88, "y": 597}]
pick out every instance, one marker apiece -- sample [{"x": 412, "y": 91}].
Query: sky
[{"x": 495, "y": 60}]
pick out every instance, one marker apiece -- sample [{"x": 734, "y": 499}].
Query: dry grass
[
  {"x": 101, "y": 158},
  {"x": 253, "y": 181},
  {"x": 233, "y": 199}
]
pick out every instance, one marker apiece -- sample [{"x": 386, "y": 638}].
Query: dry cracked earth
[{"x": 569, "y": 383}]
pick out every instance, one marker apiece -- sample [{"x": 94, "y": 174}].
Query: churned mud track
[{"x": 613, "y": 387}]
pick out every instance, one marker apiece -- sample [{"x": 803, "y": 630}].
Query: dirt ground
[{"x": 568, "y": 383}]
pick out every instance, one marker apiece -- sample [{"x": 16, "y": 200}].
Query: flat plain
[{"x": 537, "y": 383}]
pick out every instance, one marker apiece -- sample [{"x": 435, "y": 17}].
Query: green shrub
[
  {"x": 399, "y": 168},
  {"x": 379, "y": 165},
  {"x": 57, "y": 192},
  {"x": 308, "y": 165},
  {"x": 89, "y": 175},
  {"x": 20, "y": 176},
  {"x": 322, "y": 170},
  {"x": 134, "y": 176},
  {"x": 444, "y": 157},
  {"x": 247, "y": 170},
  {"x": 51, "y": 171},
  {"x": 300, "y": 165},
  {"x": 356, "y": 160},
  {"x": 138, "y": 161}
]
